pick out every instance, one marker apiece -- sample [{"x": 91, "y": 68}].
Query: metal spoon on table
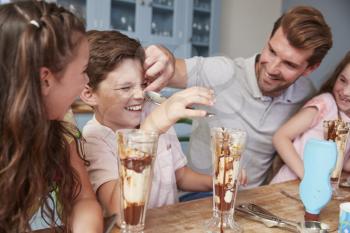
[
  {"x": 157, "y": 98},
  {"x": 270, "y": 220}
]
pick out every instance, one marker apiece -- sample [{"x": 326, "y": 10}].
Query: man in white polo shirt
[{"x": 260, "y": 93}]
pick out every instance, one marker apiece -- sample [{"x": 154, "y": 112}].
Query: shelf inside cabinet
[
  {"x": 201, "y": 44},
  {"x": 162, "y": 7},
  {"x": 202, "y": 6},
  {"x": 125, "y": 1},
  {"x": 201, "y": 10}
]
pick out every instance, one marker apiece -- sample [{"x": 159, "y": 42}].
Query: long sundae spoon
[{"x": 157, "y": 98}]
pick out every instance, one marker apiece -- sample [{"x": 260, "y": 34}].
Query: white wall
[{"x": 246, "y": 25}]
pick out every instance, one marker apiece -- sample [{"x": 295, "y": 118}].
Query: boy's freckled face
[{"x": 120, "y": 96}]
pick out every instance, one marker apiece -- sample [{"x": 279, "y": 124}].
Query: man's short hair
[{"x": 306, "y": 28}]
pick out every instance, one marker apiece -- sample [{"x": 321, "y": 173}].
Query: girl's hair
[
  {"x": 306, "y": 28},
  {"x": 329, "y": 84},
  {"x": 107, "y": 50},
  {"x": 34, "y": 151}
]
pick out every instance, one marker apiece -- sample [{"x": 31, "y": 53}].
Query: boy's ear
[
  {"x": 88, "y": 96},
  {"x": 46, "y": 80},
  {"x": 310, "y": 69}
]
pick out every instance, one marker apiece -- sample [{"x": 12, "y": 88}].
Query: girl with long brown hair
[
  {"x": 332, "y": 102},
  {"x": 43, "y": 58}
]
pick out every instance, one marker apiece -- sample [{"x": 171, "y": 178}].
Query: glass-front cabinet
[
  {"x": 205, "y": 27},
  {"x": 149, "y": 21},
  {"x": 187, "y": 27}
]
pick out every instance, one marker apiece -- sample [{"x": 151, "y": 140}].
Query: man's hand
[
  {"x": 159, "y": 67},
  {"x": 176, "y": 107}
]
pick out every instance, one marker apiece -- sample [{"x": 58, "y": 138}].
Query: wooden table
[{"x": 190, "y": 216}]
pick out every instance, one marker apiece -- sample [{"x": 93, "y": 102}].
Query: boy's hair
[
  {"x": 329, "y": 84},
  {"x": 107, "y": 50},
  {"x": 34, "y": 150},
  {"x": 306, "y": 28}
]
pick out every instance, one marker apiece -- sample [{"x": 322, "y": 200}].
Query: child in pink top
[
  {"x": 332, "y": 103},
  {"x": 115, "y": 92}
]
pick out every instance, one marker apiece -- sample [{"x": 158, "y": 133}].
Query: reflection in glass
[
  {"x": 78, "y": 7},
  {"x": 123, "y": 15},
  {"x": 162, "y": 17}
]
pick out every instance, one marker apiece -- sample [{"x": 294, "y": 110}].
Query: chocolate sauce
[
  {"x": 133, "y": 213},
  {"x": 225, "y": 155},
  {"x": 137, "y": 164},
  {"x": 220, "y": 191},
  {"x": 334, "y": 179},
  {"x": 332, "y": 132}
]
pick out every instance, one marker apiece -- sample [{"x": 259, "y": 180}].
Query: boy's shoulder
[{"x": 93, "y": 129}]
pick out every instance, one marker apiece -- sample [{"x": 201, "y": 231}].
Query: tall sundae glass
[
  {"x": 227, "y": 146},
  {"x": 137, "y": 151},
  {"x": 337, "y": 131}
]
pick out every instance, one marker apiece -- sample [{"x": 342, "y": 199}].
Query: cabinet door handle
[{"x": 142, "y": 2}]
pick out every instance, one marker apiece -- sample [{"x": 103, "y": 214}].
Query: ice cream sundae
[
  {"x": 136, "y": 156},
  {"x": 337, "y": 131},
  {"x": 227, "y": 147}
]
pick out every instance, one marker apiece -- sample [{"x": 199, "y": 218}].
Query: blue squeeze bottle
[{"x": 315, "y": 189}]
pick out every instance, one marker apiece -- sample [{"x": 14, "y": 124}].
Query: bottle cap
[{"x": 311, "y": 217}]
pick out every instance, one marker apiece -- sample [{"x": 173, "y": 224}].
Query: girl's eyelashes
[
  {"x": 144, "y": 84},
  {"x": 126, "y": 88},
  {"x": 342, "y": 80}
]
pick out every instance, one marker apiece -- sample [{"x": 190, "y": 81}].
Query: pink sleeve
[
  {"x": 322, "y": 103},
  {"x": 100, "y": 152}
]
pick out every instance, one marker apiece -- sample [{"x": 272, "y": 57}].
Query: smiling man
[{"x": 260, "y": 93}]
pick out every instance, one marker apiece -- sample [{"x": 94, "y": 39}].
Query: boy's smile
[{"x": 120, "y": 96}]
